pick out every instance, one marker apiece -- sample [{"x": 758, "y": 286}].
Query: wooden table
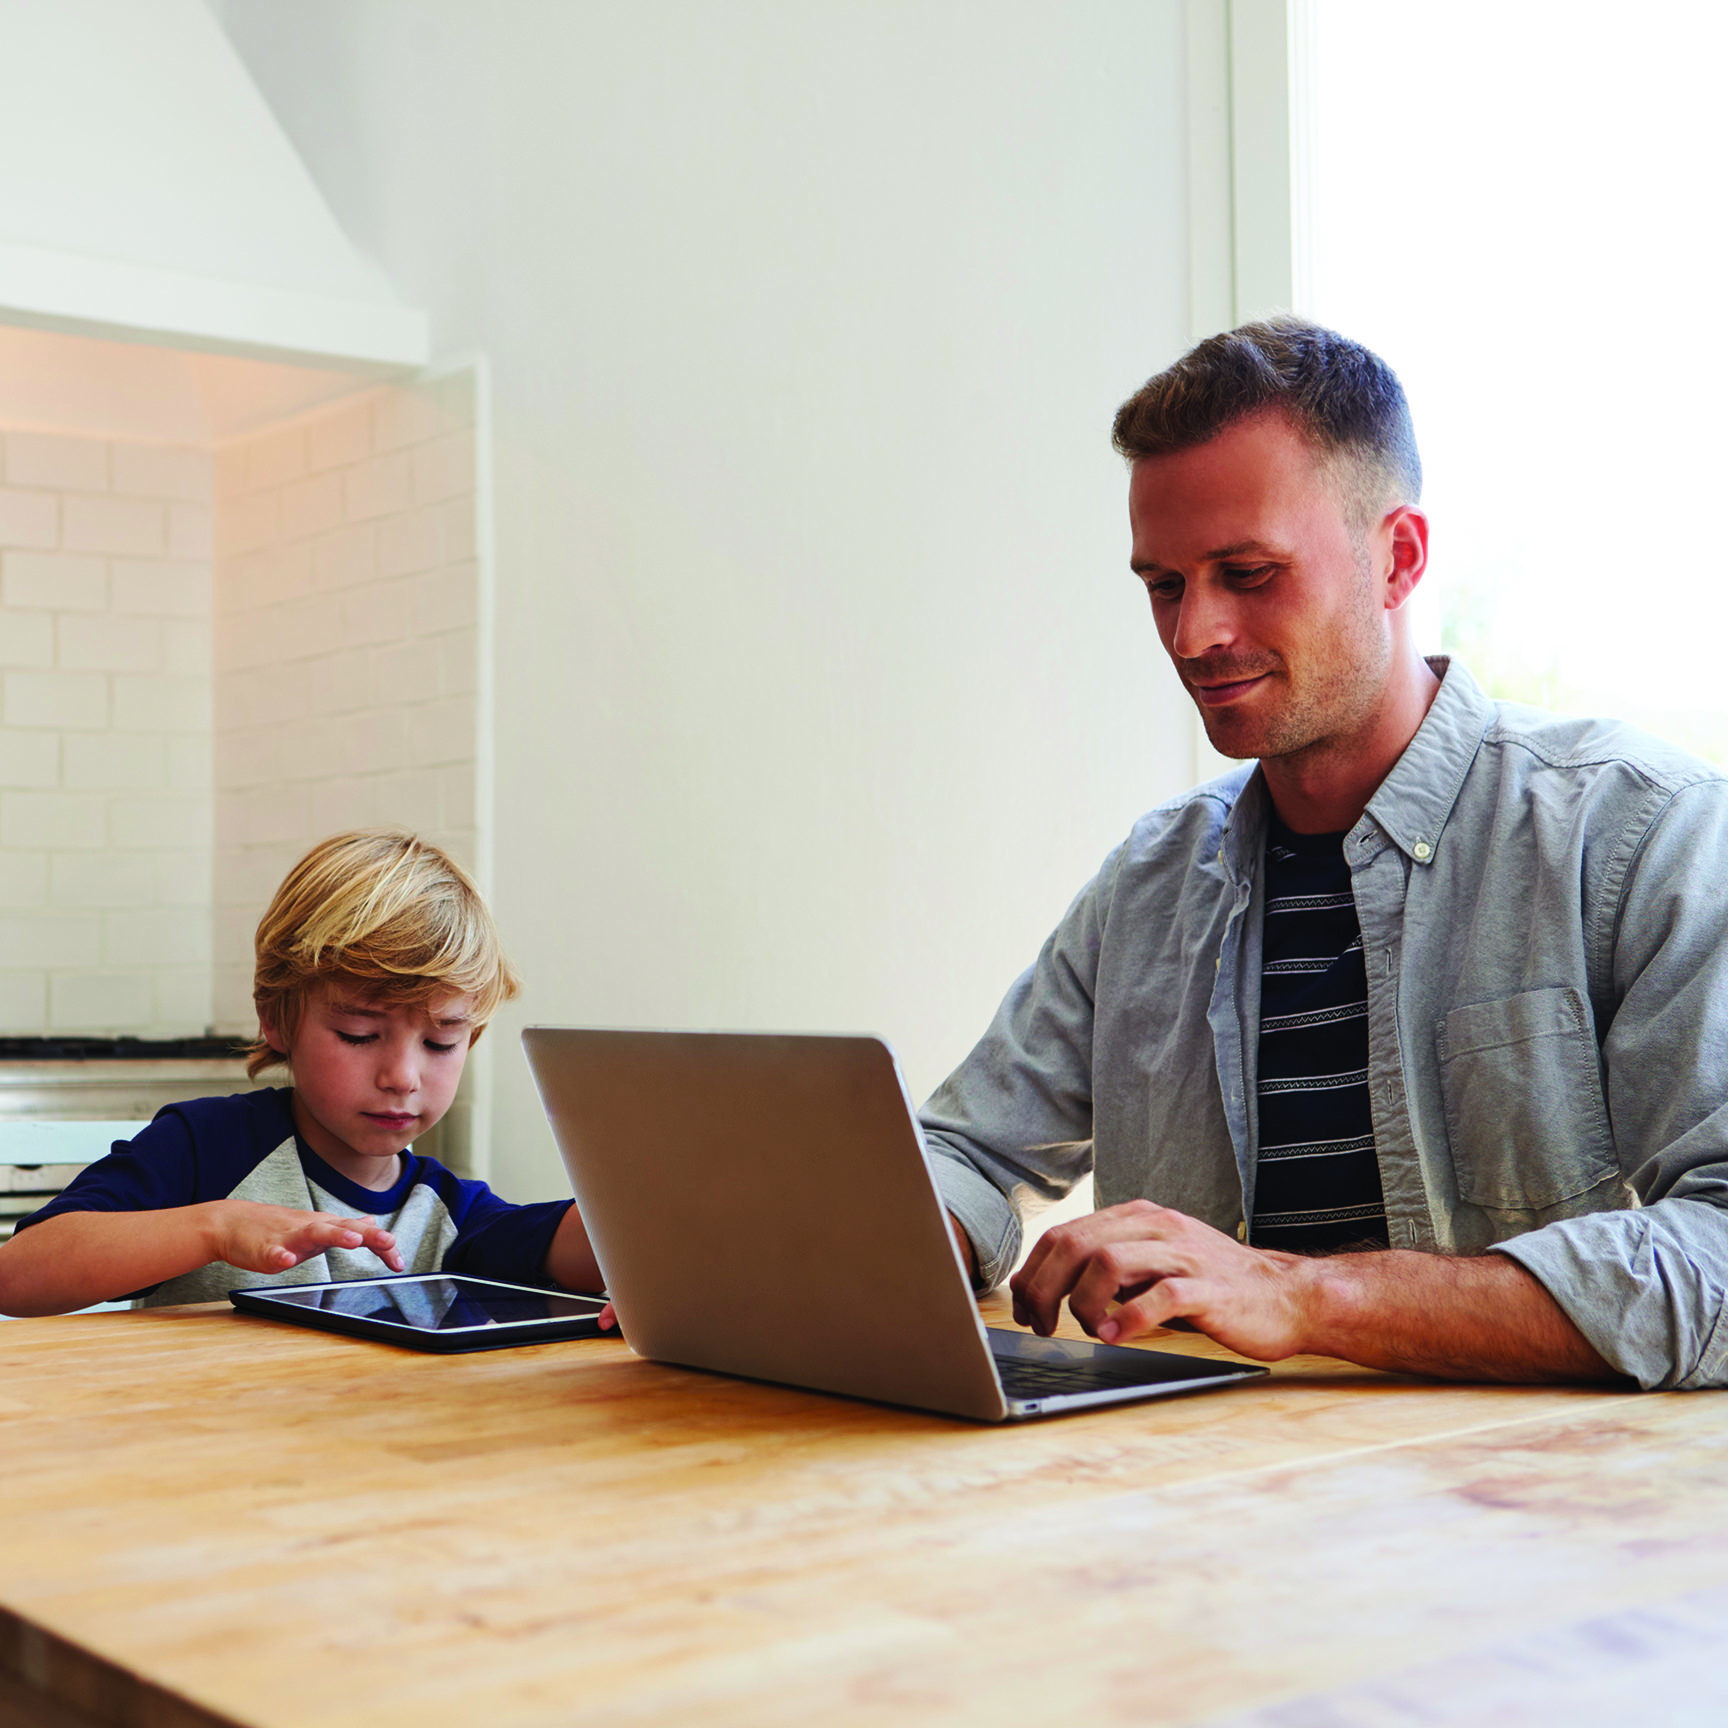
[{"x": 221, "y": 1519}]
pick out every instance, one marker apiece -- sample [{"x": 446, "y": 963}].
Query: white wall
[
  {"x": 821, "y": 681},
  {"x": 346, "y": 651},
  {"x": 105, "y": 817}
]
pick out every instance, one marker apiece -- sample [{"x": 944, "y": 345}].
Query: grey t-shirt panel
[{"x": 422, "y": 1226}]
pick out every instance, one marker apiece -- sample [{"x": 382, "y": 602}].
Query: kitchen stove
[{"x": 64, "y": 1101}]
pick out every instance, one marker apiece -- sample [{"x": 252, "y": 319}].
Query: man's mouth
[{"x": 1217, "y": 692}]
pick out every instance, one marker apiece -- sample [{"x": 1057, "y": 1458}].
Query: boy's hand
[{"x": 259, "y": 1238}]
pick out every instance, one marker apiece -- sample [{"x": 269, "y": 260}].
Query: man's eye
[
  {"x": 1165, "y": 588},
  {"x": 358, "y": 1037},
  {"x": 1248, "y": 574}
]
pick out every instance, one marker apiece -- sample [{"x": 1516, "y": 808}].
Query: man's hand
[
  {"x": 1161, "y": 1265},
  {"x": 1132, "y": 1268},
  {"x": 260, "y": 1238}
]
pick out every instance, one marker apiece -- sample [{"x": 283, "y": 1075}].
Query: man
[{"x": 1441, "y": 977}]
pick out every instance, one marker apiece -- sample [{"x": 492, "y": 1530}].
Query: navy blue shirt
[
  {"x": 245, "y": 1147},
  {"x": 1317, "y": 1179}
]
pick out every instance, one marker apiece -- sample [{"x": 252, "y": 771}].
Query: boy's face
[{"x": 369, "y": 1079}]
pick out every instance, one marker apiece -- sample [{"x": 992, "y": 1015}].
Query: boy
[{"x": 377, "y": 967}]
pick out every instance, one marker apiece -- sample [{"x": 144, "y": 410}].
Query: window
[{"x": 1520, "y": 208}]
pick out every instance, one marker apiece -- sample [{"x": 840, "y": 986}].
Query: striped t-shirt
[{"x": 1317, "y": 1183}]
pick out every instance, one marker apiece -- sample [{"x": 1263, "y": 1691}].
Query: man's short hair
[
  {"x": 385, "y": 913},
  {"x": 1343, "y": 398}
]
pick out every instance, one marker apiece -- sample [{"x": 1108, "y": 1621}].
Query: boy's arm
[
  {"x": 75, "y": 1259},
  {"x": 570, "y": 1260}
]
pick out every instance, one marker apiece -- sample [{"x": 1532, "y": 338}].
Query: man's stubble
[{"x": 1336, "y": 696}]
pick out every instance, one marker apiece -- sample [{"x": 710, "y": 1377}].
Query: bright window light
[{"x": 1520, "y": 207}]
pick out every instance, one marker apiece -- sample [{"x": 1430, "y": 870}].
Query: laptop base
[{"x": 1047, "y": 1376}]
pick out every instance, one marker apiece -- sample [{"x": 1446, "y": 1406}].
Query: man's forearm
[
  {"x": 1481, "y": 1318},
  {"x": 1129, "y": 1269}
]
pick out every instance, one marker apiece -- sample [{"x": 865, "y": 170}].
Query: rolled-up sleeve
[
  {"x": 1013, "y": 1123},
  {"x": 1647, "y": 1285}
]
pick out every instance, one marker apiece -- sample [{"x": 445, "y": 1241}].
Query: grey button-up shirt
[{"x": 1544, "y": 911}]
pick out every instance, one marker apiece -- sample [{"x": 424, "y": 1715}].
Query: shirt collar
[
  {"x": 1412, "y": 804},
  {"x": 1245, "y": 826}
]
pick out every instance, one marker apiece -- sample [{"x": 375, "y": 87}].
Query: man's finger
[
  {"x": 1113, "y": 1273},
  {"x": 1044, "y": 1280},
  {"x": 1050, "y": 1269},
  {"x": 1168, "y": 1299}
]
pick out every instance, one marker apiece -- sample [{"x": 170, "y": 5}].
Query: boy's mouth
[{"x": 390, "y": 1118}]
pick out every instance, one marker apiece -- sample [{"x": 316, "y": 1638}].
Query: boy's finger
[
  {"x": 337, "y": 1221},
  {"x": 331, "y": 1235},
  {"x": 369, "y": 1229}
]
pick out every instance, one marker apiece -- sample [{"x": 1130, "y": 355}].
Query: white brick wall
[
  {"x": 344, "y": 647},
  {"x": 208, "y": 660},
  {"x": 105, "y": 727}
]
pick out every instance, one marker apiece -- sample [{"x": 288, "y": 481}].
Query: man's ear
[{"x": 1404, "y": 532}]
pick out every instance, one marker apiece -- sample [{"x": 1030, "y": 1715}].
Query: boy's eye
[
  {"x": 442, "y": 1049},
  {"x": 358, "y": 1037}
]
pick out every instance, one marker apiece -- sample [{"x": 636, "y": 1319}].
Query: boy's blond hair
[{"x": 383, "y": 911}]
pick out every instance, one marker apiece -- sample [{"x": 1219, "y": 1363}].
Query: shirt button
[
  {"x": 1242, "y": 1230},
  {"x": 1423, "y": 850}
]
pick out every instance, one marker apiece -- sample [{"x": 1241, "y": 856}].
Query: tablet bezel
[{"x": 281, "y": 1302}]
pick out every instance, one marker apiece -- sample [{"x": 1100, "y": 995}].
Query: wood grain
[{"x": 228, "y": 1519}]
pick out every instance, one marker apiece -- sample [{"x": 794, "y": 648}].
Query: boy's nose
[{"x": 398, "y": 1072}]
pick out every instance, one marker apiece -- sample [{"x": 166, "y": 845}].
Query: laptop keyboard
[{"x": 1040, "y": 1380}]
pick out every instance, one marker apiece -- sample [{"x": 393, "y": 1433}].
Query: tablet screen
[{"x": 438, "y": 1303}]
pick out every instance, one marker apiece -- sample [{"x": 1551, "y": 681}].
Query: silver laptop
[{"x": 761, "y": 1205}]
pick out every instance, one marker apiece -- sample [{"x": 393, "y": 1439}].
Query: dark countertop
[{"x": 120, "y": 1049}]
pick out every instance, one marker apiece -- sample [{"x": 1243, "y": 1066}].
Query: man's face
[{"x": 1264, "y": 597}]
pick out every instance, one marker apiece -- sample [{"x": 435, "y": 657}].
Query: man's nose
[{"x": 1205, "y": 622}]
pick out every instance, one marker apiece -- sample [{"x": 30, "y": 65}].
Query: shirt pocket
[{"x": 1522, "y": 1085}]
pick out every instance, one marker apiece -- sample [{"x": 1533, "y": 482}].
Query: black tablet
[{"x": 431, "y": 1311}]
